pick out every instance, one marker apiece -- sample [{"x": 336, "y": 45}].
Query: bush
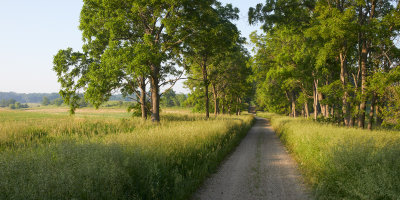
[{"x": 12, "y": 106}]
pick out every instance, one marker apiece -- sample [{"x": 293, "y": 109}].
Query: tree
[
  {"x": 45, "y": 101},
  {"x": 3, "y": 103},
  {"x": 213, "y": 35},
  {"x": 125, "y": 44},
  {"x": 57, "y": 102},
  {"x": 12, "y": 106},
  {"x": 331, "y": 50},
  {"x": 168, "y": 98}
]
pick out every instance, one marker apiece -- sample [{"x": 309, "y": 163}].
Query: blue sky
[{"x": 33, "y": 31}]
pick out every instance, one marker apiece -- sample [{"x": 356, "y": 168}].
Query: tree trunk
[
  {"x": 216, "y": 100},
  {"x": 315, "y": 95},
  {"x": 240, "y": 103},
  {"x": 142, "y": 86},
  {"x": 205, "y": 82},
  {"x": 379, "y": 119},
  {"x": 293, "y": 105},
  {"x": 352, "y": 121},
  {"x": 306, "y": 109},
  {"x": 327, "y": 111},
  {"x": 327, "y": 106},
  {"x": 155, "y": 96},
  {"x": 364, "y": 56},
  {"x": 371, "y": 112},
  {"x": 237, "y": 106},
  {"x": 343, "y": 78},
  {"x": 322, "y": 107},
  {"x": 361, "y": 116}
]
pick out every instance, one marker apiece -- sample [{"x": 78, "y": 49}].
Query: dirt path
[{"x": 259, "y": 168}]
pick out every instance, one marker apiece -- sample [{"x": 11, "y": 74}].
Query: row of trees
[
  {"x": 28, "y": 98},
  {"x": 227, "y": 76},
  {"x": 12, "y": 104},
  {"x": 215, "y": 61},
  {"x": 335, "y": 58},
  {"x": 130, "y": 46},
  {"x": 57, "y": 102}
]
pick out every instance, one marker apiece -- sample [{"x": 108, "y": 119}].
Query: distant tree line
[
  {"x": 336, "y": 60},
  {"x": 46, "y": 101},
  {"x": 12, "y": 104},
  {"x": 38, "y": 97},
  {"x": 28, "y": 98}
]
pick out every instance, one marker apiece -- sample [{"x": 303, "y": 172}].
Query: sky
[{"x": 31, "y": 33}]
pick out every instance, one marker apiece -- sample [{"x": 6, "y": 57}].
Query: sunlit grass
[
  {"x": 343, "y": 163},
  {"x": 109, "y": 155}
]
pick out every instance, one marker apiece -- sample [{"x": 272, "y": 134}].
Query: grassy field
[
  {"x": 343, "y": 163},
  {"x": 106, "y": 154}
]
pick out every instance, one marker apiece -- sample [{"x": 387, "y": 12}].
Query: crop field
[
  {"x": 343, "y": 163},
  {"x": 107, "y": 154}
]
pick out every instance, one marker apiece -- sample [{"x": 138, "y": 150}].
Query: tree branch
[{"x": 171, "y": 81}]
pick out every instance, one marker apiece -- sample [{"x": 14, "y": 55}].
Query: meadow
[
  {"x": 106, "y": 154},
  {"x": 340, "y": 162}
]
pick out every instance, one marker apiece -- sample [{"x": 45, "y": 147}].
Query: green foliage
[
  {"x": 45, "y": 101},
  {"x": 57, "y": 102},
  {"x": 28, "y": 98},
  {"x": 55, "y": 156},
  {"x": 124, "y": 43},
  {"x": 6, "y": 103},
  {"x": 336, "y": 53},
  {"x": 215, "y": 60},
  {"x": 12, "y": 104},
  {"x": 136, "y": 109},
  {"x": 195, "y": 100},
  {"x": 171, "y": 99},
  {"x": 343, "y": 163}
]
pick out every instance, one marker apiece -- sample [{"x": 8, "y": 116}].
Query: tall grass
[
  {"x": 109, "y": 158},
  {"x": 343, "y": 163}
]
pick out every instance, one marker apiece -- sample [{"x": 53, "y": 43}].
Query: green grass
[
  {"x": 343, "y": 163},
  {"x": 104, "y": 155}
]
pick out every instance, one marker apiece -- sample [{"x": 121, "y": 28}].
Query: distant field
[
  {"x": 343, "y": 163},
  {"x": 105, "y": 154}
]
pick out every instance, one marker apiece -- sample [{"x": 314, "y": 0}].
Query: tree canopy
[
  {"x": 328, "y": 54},
  {"x": 131, "y": 44}
]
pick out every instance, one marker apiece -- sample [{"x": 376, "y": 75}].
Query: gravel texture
[{"x": 259, "y": 168}]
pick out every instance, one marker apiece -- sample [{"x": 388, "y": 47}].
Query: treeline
[
  {"x": 28, "y": 98},
  {"x": 12, "y": 104},
  {"x": 224, "y": 82},
  {"x": 131, "y": 46},
  {"x": 337, "y": 60},
  {"x": 51, "y": 97}
]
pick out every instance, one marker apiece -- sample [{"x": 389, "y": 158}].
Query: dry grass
[
  {"x": 340, "y": 162},
  {"x": 108, "y": 155}
]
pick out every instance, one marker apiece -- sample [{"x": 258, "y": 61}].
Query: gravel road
[{"x": 259, "y": 168}]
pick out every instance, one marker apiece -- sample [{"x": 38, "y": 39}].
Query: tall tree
[
  {"x": 213, "y": 34},
  {"x": 126, "y": 42},
  {"x": 343, "y": 44}
]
